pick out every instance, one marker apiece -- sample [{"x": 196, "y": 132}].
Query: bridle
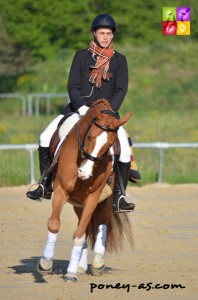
[{"x": 84, "y": 153}]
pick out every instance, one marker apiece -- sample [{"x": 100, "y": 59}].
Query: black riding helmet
[{"x": 103, "y": 20}]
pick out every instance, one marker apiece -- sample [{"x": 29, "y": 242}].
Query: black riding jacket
[{"x": 80, "y": 89}]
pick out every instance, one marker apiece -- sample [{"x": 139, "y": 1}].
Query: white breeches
[
  {"x": 125, "y": 151},
  {"x": 47, "y": 134},
  {"x": 125, "y": 155}
]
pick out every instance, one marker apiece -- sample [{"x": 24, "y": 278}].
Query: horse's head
[{"x": 97, "y": 133}]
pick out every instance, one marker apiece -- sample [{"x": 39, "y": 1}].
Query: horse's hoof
[
  {"x": 44, "y": 266},
  {"x": 98, "y": 265},
  {"x": 97, "y": 271},
  {"x": 70, "y": 278}
]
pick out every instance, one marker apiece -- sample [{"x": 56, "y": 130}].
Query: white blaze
[{"x": 85, "y": 170}]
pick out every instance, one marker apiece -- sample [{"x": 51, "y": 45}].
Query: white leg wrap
[
  {"x": 48, "y": 252},
  {"x": 75, "y": 255},
  {"x": 83, "y": 259},
  {"x": 99, "y": 246},
  {"x": 79, "y": 241}
]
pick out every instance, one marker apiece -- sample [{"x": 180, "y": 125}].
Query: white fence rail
[
  {"x": 28, "y": 147},
  {"x": 32, "y": 103},
  {"x": 37, "y": 97},
  {"x": 162, "y": 146},
  {"x": 16, "y": 96},
  {"x": 158, "y": 145}
]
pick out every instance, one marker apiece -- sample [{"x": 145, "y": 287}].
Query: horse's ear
[{"x": 123, "y": 120}]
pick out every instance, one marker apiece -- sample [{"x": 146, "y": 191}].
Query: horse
[{"x": 85, "y": 166}]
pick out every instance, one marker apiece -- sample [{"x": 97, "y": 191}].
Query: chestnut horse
[{"x": 85, "y": 165}]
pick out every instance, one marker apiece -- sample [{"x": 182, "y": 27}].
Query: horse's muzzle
[{"x": 82, "y": 174}]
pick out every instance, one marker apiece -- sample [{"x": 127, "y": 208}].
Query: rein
[{"x": 84, "y": 153}]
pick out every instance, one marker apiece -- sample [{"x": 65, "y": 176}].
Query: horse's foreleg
[
  {"x": 58, "y": 202},
  {"x": 46, "y": 262},
  {"x": 79, "y": 236},
  {"x": 74, "y": 259},
  {"x": 88, "y": 209},
  {"x": 83, "y": 265},
  {"x": 98, "y": 266}
]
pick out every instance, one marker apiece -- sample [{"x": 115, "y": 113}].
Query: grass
[
  {"x": 15, "y": 166},
  {"x": 179, "y": 165},
  {"x": 162, "y": 95}
]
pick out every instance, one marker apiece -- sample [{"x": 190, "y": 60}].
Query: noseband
[{"x": 84, "y": 153}]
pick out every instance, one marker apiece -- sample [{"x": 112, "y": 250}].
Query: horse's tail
[{"x": 118, "y": 226}]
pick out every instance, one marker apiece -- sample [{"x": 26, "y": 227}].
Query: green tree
[
  {"x": 43, "y": 27},
  {"x": 14, "y": 58}
]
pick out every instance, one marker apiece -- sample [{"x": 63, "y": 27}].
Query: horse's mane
[{"x": 102, "y": 101}]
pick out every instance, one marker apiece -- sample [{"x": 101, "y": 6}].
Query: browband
[{"x": 109, "y": 112}]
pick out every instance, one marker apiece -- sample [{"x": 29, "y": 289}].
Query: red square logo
[{"x": 169, "y": 27}]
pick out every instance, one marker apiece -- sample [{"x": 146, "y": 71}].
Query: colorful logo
[{"x": 176, "y": 20}]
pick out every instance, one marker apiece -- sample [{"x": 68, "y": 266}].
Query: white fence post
[
  {"x": 161, "y": 146},
  {"x": 37, "y": 98},
  {"x": 17, "y": 96},
  {"x": 160, "y": 165},
  {"x": 32, "y": 178},
  {"x": 47, "y": 96},
  {"x": 30, "y": 148}
]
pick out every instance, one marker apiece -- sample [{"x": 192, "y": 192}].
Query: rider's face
[{"x": 104, "y": 36}]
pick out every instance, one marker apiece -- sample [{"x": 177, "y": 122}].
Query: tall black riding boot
[
  {"x": 44, "y": 189},
  {"x": 120, "y": 203}
]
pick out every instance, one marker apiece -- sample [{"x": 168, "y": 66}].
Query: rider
[{"x": 97, "y": 72}]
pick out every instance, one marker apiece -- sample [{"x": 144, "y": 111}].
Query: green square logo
[{"x": 169, "y": 14}]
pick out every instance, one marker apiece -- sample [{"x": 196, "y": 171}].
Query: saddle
[{"x": 54, "y": 142}]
